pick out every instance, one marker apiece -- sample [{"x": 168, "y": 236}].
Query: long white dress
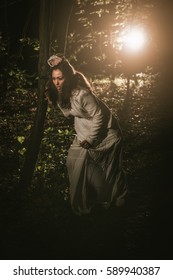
[{"x": 96, "y": 174}]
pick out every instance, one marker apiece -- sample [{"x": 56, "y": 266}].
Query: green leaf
[
  {"x": 28, "y": 127},
  {"x": 21, "y": 139},
  {"x": 22, "y": 151}
]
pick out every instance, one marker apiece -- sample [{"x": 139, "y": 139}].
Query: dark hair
[{"x": 73, "y": 79}]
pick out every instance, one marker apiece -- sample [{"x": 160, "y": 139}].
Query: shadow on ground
[{"x": 44, "y": 227}]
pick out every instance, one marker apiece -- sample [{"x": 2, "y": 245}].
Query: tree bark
[{"x": 38, "y": 128}]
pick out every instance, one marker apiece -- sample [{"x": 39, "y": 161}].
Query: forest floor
[{"x": 40, "y": 224}]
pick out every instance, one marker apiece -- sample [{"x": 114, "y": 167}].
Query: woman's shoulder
[{"x": 81, "y": 92}]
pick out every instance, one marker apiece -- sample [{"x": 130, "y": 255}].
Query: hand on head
[{"x": 54, "y": 60}]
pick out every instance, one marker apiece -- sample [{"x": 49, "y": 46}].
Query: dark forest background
[{"x": 35, "y": 216}]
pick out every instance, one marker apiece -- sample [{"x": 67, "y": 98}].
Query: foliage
[
  {"x": 17, "y": 79},
  {"x": 139, "y": 124},
  {"x": 41, "y": 217},
  {"x": 92, "y": 41},
  {"x": 90, "y": 35},
  {"x": 12, "y": 76},
  {"x": 31, "y": 42},
  {"x": 57, "y": 138},
  {"x": 3, "y": 47},
  {"x": 93, "y": 38}
]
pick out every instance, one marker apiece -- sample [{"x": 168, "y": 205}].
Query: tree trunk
[{"x": 38, "y": 128}]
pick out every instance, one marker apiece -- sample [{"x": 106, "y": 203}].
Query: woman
[{"x": 94, "y": 160}]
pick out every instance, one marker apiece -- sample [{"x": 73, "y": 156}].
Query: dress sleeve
[
  {"x": 66, "y": 112},
  {"x": 91, "y": 105}
]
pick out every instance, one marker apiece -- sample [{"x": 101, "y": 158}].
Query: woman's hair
[{"x": 73, "y": 80}]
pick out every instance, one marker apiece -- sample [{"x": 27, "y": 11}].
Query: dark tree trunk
[
  {"x": 4, "y": 58},
  {"x": 38, "y": 128}
]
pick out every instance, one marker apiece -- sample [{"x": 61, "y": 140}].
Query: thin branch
[{"x": 67, "y": 29}]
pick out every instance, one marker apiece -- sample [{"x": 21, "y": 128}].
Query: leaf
[
  {"x": 39, "y": 167},
  {"x": 22, "y": 151},
  {"x": 21, "y": 139},
  {"x": 28, "y": 127}
]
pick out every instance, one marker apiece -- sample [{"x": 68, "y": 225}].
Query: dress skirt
[{"x": 96, "y": 175}]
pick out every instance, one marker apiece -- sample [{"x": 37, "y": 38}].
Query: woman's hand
[{"x": 85, "y": 144}]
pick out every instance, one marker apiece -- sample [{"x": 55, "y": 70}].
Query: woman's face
[{"x": 58, "y": 79}]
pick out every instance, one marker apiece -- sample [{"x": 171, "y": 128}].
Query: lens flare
[{"x": 134, "y": 39}]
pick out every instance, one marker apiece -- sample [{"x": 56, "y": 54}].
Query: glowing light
[{"x": 134, "y": 39}]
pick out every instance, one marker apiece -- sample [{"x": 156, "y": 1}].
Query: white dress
[{"x": 96, "y": 174}]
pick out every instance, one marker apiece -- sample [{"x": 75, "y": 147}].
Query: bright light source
[{"x": 134, "y": 39}]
